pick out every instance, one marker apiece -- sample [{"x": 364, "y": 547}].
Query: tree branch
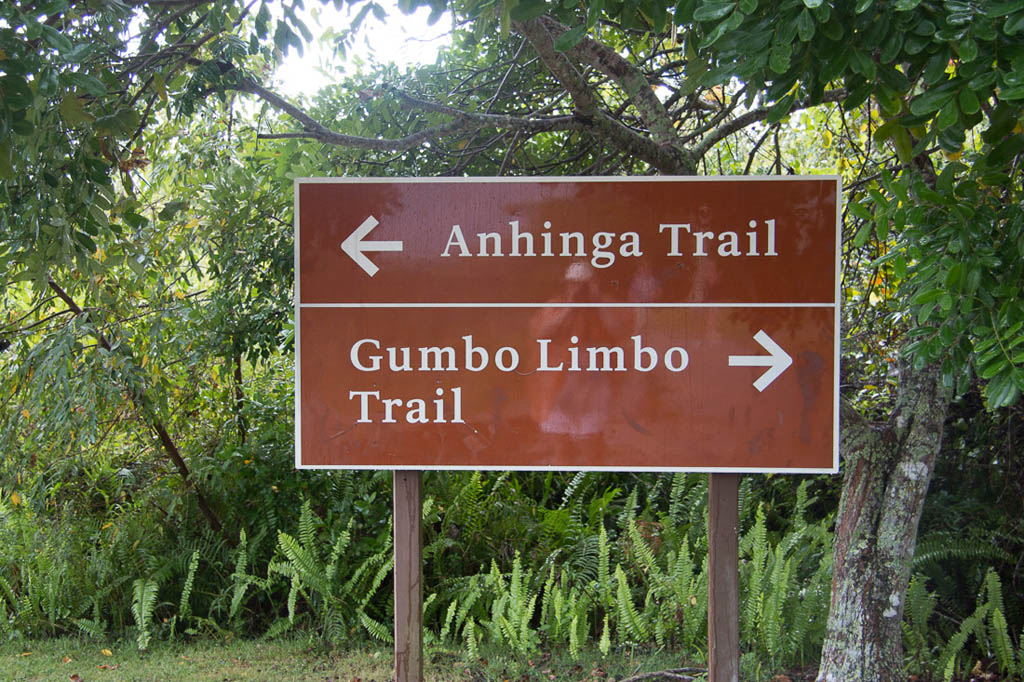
[
  {"x": 463, "y": 122},
  {"x": 753, "y": 116},
  {"x": 665, "y": 158}
]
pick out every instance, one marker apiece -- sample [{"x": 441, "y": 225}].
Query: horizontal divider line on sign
[{"x": 567, "y": 305}]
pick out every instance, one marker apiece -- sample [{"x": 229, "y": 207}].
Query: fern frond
[
  {"x": 144, "y": 592},
  {"x": 943, "y": 546},
  {"x": 950, "y": 653},
  {"x": 95, "y": 629},
  {"x": 449, "y": 618},
  {"x": 307, "y": 526},
  {"x": 386, "y": 560},
  {"x": 604, "y": 568},
  {"x": 305, "y": 564},
  {"x": 469, "y": 633},
  {"x": 642, "y": 551},
  {"x": 375, "y": 628},
  {"x": 919, "y": 604},
  {"x": 1002, "y": 647},
  {"x": 293, "y": 597},
  {"x": 627, "y": 611},
  {"x": 184, "y": 608},
  {"x": 605, "y": 645}
]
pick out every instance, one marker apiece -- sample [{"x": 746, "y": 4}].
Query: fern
[
  {"x": 627, "y": 612},
  {"x": 93, "y": 628},
  {"x": 144, "y": 593},
  {"x": 574, "y": 637},
  {"x": 644, "y": 555},
  {"x": 240, "y": 578},
  {"x": 305, "y": 564},
  {"x": 604, "y": 568},
  {"x": 469, "y": 632},
  {"x": 756, "y": 543},
  {"x": 974, "y": 624},
  {"x": 605, "y": 645},
  {"x": 375, "y": 628},
  {"x": 939, "y": 547},
  {"x": 449, "y": 618},
  {"x": 184, "y": 608},
  {"x": 307, "y": 526},
  {"x": 1002, "y": 646}
]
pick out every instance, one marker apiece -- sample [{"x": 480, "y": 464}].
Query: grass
[{"x": 293, "y": 660}]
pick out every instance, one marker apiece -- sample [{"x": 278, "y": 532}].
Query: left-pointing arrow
[
  {"x": 777, "y": 361},
  {"x": 355, "y": 247}
]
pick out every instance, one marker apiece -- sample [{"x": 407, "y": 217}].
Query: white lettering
[
  {"x": 640, "y": 351},
  {"x": 509, "y": 364},
  {"x": 455, "y": 238},
  {"x": 357, "y": 363},
  {"x": 544, "y": 366},
  {"x": 605, "y": 354},
  {"x": 674, "y": 239},
  {"x": 679, "y": 365},
  {"x": 364, "y": 407},
  {"x": 517, "y": 237},
  {"x": 473, "y": 352},
  {"x": 731, "y": 245}
]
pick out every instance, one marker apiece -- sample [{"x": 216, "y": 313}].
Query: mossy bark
[{"x": 887, "y": 469}]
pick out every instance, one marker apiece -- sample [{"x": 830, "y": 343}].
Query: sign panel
[{"x": 614, "y": 323}]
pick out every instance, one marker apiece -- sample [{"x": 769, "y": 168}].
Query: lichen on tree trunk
[{"x": 887, "y": 469}]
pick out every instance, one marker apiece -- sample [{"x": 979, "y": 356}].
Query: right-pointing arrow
[{"x": 777, "y": 361}]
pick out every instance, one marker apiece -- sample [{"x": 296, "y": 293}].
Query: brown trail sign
[
  {"x": 670, "y": 324},
  {"x": 655, "y": 323}
]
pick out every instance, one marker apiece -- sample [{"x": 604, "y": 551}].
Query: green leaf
[
  {"x": 948, "y": 115},
  {"x": 968, "y": 101},
  {"x": 903, "y": 144},
  {"x": 886, "y": 130},
  {"x": 6, "y": 165},
  {"x": 778, "y": 59},
  {"x": 171, "y": 208},
  {"x": 1013, "y": 24},
  {"x": 56, "y": 40},
  {"x": 120, "y": 123},
  {"x": 712, "y": 11},
  {"x": 812, "y": 4},
  {"x": 805, "y": 25},
  {"x": 570, "y": 38},
  {"x": 859, "y": 210},
  {"x": 1002, "y": 390},
  {"x": 861, "y": 238},
  {"x": 780, "y": 109},
  {"x": 16, "y": 92},
  {"x": 72, "y": 110},
  {"x": 906, "y": 5},
  {"x": 925, "y": 297},
  {"x": 90, "y": 84},
  {"x": 934, "y": 99},
  {"x": 968, "y": 50},
  {"x": 528, "y": 9},
  {"x": 1012, "y": 94}
]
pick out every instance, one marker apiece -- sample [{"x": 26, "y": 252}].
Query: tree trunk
[{"x": 887, "y": 470}]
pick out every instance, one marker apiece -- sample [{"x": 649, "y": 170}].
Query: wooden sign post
[
  {"x": 616, "y": 324},
  {"x": 408, "y": 509},
  {"x": 723, "y": 578}
]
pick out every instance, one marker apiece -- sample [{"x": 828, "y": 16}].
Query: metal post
[
  {"x": 408, "y": 506},
  {"x": 723, "y": 578}
]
